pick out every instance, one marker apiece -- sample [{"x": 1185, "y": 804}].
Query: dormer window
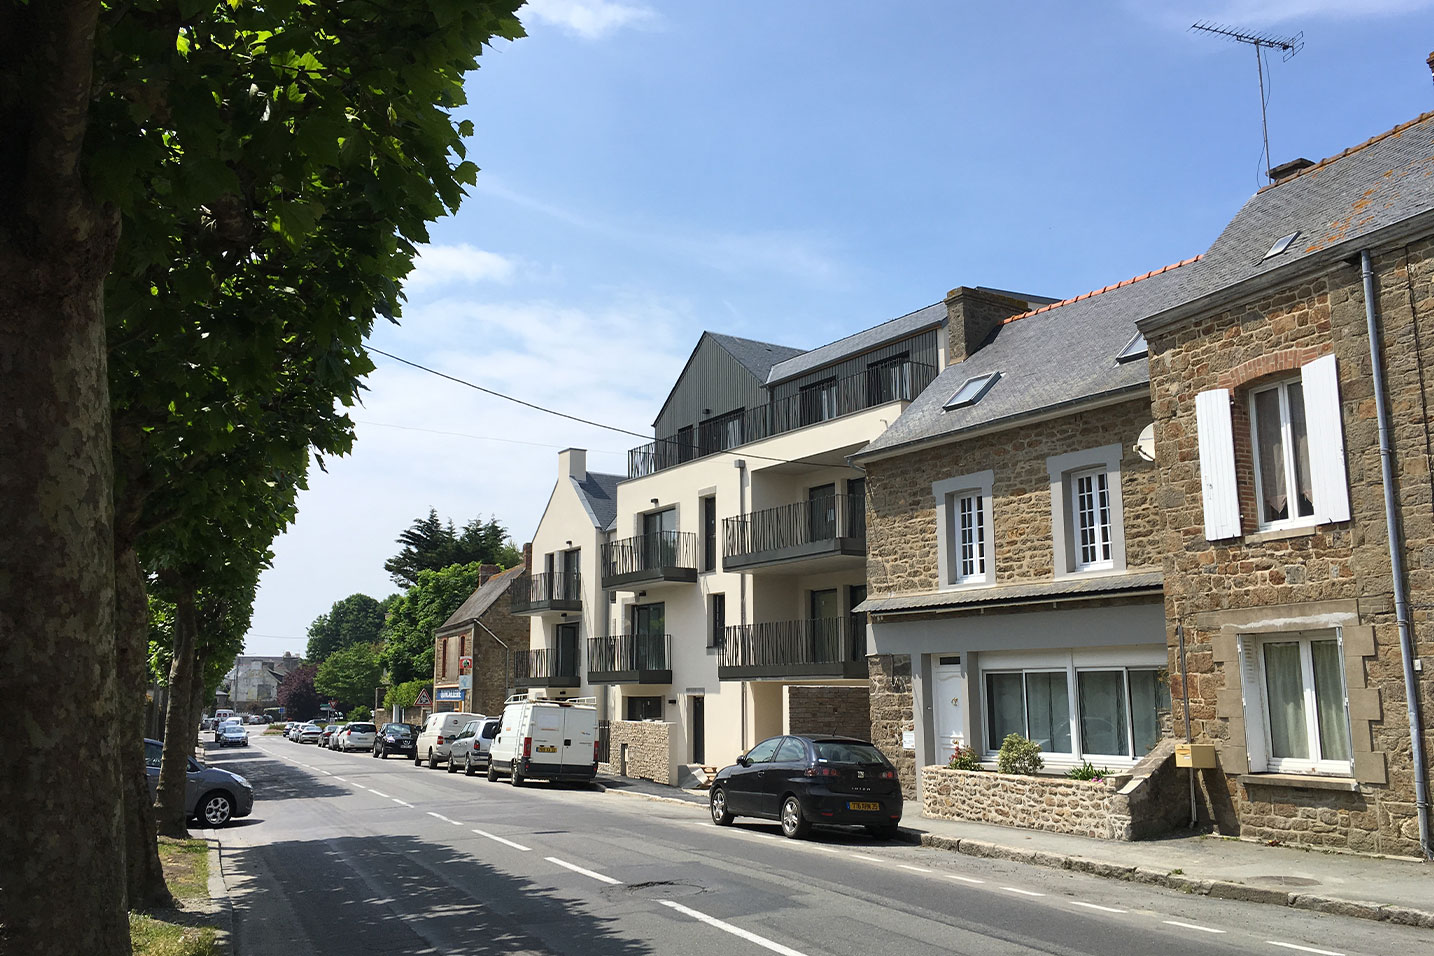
[{"x": 972, "y": 390}]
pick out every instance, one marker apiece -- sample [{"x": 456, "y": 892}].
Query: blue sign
[{"x": 450, "y": 693}]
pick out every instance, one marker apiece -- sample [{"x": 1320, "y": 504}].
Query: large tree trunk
[
  {"x": 61, "y": 845},
  {"x": 144, "y": 876},
  {"x": 179, "y": 721}
]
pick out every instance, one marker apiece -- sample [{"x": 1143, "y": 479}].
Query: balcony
[
  {"x": 630, "y": 659},
  {"x": 792, "y": 650},
  {"x": 542, "y": 593},
  {"x": 822, "y": 534},
  {"x": 654, "y": 558},
  {"x": 815, "y": 403},
  {"x": 546, "y": 667}
]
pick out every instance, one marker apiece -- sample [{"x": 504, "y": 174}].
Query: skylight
[
  {"x": 1281, "y": 244},
  {"x": 972, "y": 390},
  {"x": 1134, "y": 349}
]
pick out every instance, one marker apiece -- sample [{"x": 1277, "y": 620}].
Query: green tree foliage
[
  {"x": 406, "y": 694},
  {"x": 357, "y": 619},
  {"x": 360, "y": 713},
  {"x": 349, "y": 676},
  {"x": 408, "y": 634},
  {"x": 430, "y": 544},
  {"x": 297, "y": 694}
]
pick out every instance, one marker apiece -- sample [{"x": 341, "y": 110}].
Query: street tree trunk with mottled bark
[{"x": 179, "y": 721}]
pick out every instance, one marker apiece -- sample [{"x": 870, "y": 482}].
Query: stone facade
[
  {"x": 492, "y": 661},
  {"x": 828, "y": 709},
  {"x": 891, "y": 714},
  {"x": 1336, "y": 572},
  {"x": 647, "y": 745}
]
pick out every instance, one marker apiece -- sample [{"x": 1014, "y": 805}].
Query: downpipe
[{"x": 1396, "y": 564}]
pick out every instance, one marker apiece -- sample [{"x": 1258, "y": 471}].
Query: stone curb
[
  {"x": 219, "y": 895},
  {"x": 650, "y": 796},
  {"x": 1217, "y": 889}
]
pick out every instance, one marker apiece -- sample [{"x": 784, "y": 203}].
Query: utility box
[{"x": 1196, "y": 756}]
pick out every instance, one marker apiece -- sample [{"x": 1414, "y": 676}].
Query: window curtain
[
  {"x": 1329, "y": 700},
  {"x": 1102, "y": 713},
  {"x": 1148, "y": 697},
  {"x": 1284, "y": 695},
  {"x": 1300, "y": 438},
  {"x": 1005, "y": 708},
  {"x": 1269, "y": 435},
  {"x": 1048, "y": 711}
]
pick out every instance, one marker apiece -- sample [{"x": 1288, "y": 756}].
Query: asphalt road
[{"x": 348, "y": 855}]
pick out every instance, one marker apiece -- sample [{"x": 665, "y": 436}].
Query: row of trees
[{"x": 205, "y": 207}]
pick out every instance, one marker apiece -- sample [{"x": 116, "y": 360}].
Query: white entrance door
[{"x": 950, "y": 687}]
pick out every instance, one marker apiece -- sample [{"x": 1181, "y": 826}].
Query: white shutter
[
  {"x": 1253, "y": 694},
  {"x": 1217, "y": 464},
  {"x": 1326, "y": 440}
]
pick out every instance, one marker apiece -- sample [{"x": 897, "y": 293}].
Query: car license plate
[
  {"x": 863, "y": 805},
  {"x": 547, "y": 749}
]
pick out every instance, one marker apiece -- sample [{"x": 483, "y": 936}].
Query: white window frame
[
  {"x": 1287, "y": 443},
  {"x": 1100, "y": 530},
  {"x": 1065, "y": 526},
  {"x": 1261, "y": 750},
  {"x": 949, "y": 494}
]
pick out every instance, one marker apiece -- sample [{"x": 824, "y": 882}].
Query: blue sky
[{"x": 795, "y": 172}]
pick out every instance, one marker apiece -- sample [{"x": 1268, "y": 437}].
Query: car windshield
[
  {"x": 847, "y": 751},
  {"x": 398, "y": 730}
]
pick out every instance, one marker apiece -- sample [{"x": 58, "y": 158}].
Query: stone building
[
  {"x": 253, "y": 682},
  {"x": 1013, "y": 565},
  {"x": 484, "y": 628},
  {"x": 1277, "y": 557}
]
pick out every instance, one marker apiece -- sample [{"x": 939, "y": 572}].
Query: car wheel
[
  {"x": 720, "y": 814},
  {"x": 468, "y": 766},
  {"x": 884, "y": 831},
  {"x": 516, "y": 779},
  {"x": 417, "y": 762},
  {"x": 376, "y": 752},
  {"x": 492, "y": 773},
  {"x": 432, "y": 759},
  {"x": 794, "y": 825},
  {"x": 215, "y": 809},
  {"x": 452, "y": 765}
]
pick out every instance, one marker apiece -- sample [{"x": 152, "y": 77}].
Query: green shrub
[
  {"x": 964, "y": 758},
  {"x": 1019, "y": 755},
  {"x": 1088, "y": 772},
  {"x": 360, "y": 713}
]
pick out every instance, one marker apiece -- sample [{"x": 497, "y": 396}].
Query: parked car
[
  {"x": 394, "y": 739},
  {"x": 293, "y": 732},
  {"x": 328, "y": 738},
  {"x": 470, "y": 749},
  {"x": 804, "y": 780},
  {"x": 257, "y": 719},
  {"x": 546, "y": 739},
  {"x": 232, "y": 734},
  {"x": 219, "y": 728},
  {"x": 359, "y": 735},
  {"x": 310, "y": 734},
  {"x": 437, "y": 734},
  {"x": 211, "y": 796}
]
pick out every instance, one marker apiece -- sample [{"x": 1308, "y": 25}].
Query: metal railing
[
  {"x": 786, "y": 526},
  {"x": 629, "y": 652},
  {"x": 840, "y": 640},
  {"x": 815, "y": 403},
  {"x": 546, "y": 663},
  {"x": 649, "y": 552},
  {"x": 536, "y": 591}
]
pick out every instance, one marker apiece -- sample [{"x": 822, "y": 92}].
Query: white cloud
[
  {"x": 590, "y": 19},
  {"x": 449, "y": 265}
]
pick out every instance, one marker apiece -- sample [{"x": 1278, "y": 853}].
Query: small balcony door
[
  {"x": 821, "y": 512},
  {"x": 649, "y": 626},
  {"x": 566, "y": 651},
  {"x": 826, "y": 626},
  {"x": 659, "y": 533}
]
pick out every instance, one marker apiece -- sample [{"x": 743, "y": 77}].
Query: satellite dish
[{"x": 1145, "y": 445}]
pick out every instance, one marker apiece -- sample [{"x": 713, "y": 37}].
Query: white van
[
  {"x": 546, "y": 740},
  {"x": 437, "y": 736}
]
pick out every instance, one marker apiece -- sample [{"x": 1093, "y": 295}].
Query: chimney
[
  {"x": 528, "y": 556},
  {"x": 971, "y": 316},
  {"x": 1286, "y": 170},
  {"x": 573, "y": 462},
  {"x": 486, "y": 571}
]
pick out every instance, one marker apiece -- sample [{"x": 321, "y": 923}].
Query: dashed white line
[
  {"x": 585, "y": 872},
  {"x": 914, "y": 869},
  {"x": 1017, "y": 889},
  {"x": 1203, "y": 929},
  {"x": 734, "y": 930},
  {"x": 963, "y": 879},
  {"x": 1306, "y": 949},
  {"x": 1096, "y": 906},
  {"x": 404, "y": 802},
  {"x": 344, "y": 779},
  {"x": 438, "y": 816},
  {"x": 824, "y": 849},
  {"x": 865, "y": 856},
  {"x": 378, "y": 794},
  {"x": 496, "y": 838}
]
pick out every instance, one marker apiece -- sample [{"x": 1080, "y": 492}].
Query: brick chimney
[
  {"x": 486, "y": 571},
  {"x": 573, "y": 462},
  {"x": 971, "y": 315},
  {"x": 528, "y": 556}
]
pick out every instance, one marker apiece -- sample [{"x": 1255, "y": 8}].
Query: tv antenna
[{"x": 1260, "y": 41}]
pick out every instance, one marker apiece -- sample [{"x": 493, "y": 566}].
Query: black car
[
  {"x": 806, "y": 780},
  {"x": 395, "y": 739}
]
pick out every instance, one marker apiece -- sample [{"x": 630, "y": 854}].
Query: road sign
[
  {"x": 465, "y": 682},
  {"x": 423, "y": 699},
  {"x": 465, "y": 664}
]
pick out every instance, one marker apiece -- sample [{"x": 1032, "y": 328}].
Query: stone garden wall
[{"x": 648, "y": 750}]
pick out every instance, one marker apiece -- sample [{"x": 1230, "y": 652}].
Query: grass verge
[
  {"x": 173, "y": 932},
  {"x": 153, "y": 936},
  {"x": 186, "y": 867}
]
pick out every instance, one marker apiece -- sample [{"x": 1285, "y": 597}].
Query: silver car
[
  {"x": 211, "y": 796},
  {"x": 310, "y": 734},
  {"x": 470, "y": 749},
  {"x": 356, "y": 736},
  {"x": 232, "y": 734}
]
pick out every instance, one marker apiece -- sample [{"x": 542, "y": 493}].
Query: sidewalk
[{"x": 1345, "y": 884}]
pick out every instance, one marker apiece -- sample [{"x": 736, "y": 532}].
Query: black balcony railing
[
  {"x": 561, "y": 591},
  {"x": 818, "y": 402},
  {"x": 826, "y": 647},
  {"x": 630, "y": 659},
  {"x": 829, "y": 524},
  {"x": 546, "y": 667},
  {"x": 655, "y": 556}
]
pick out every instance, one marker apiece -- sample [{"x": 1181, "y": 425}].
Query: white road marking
[
  {"x": 577, "y": 869},
  {"x": 1095, "y": 906},
  {"x": 377, "y": 794},
  {"x": 916, "y": 869},
  {"x": 404, "y": 802},
  {"x": 344, "y": 779},
  {"x": 439, "y": 816},
  {"x": 734, "y": 930},
  {"x": 863, "y": 856},
  {"x": 1017, "y": 889},
  {"x": 963, "y": 879},
  {"x": 1307, "y": 949},
  {"x": 494, "y": 836},
  {"x": 1203, "y": 929},
  {"x": 329, "y": 772},
  {"x": 824, "y": 849}
]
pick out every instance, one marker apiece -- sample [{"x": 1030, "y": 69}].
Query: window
[
  {"x": 642, "y": 708},
  {"x": 818, "y": 401},
  {"x": 1281, "y": 244},
  {"x": 856, "y": 621},
  {"x": 791, "y": 751},
  {"x": 821, "y": 512},
  {"x": 1115, "y": 713},
  {"x": 1086, "y": 511},
  {"x": 888, "y": 380},
  {"x": 763, "y": 751},
  {"x": 1092, "y": 519},
  {"x": 855, "y": 508},
  {"x": 1284, "y": 494},
  {"x": 686, "y": 447},
  {"x": 717, "y": 620},
  {"x": 1134, "y": 349},
  {"x": 1296, "y": 683},
  {"x": 973, "y": 390},
  {"x": 709, "y": 533},
  {"x": 963, "y": 514},
  {"x": 720, "y": 433}
]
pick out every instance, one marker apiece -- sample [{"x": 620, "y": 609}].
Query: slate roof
[
  {"x": 598, "y": 493},
  {"x": 757, "y": 357},
  {"x": 1050, "y": 357},
  {"x": 1379, "y": 183},
  {"x": 483, "y": 598},
  {"x": 889, "y": 331},
  {"x": 1103, "y": 586}
]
